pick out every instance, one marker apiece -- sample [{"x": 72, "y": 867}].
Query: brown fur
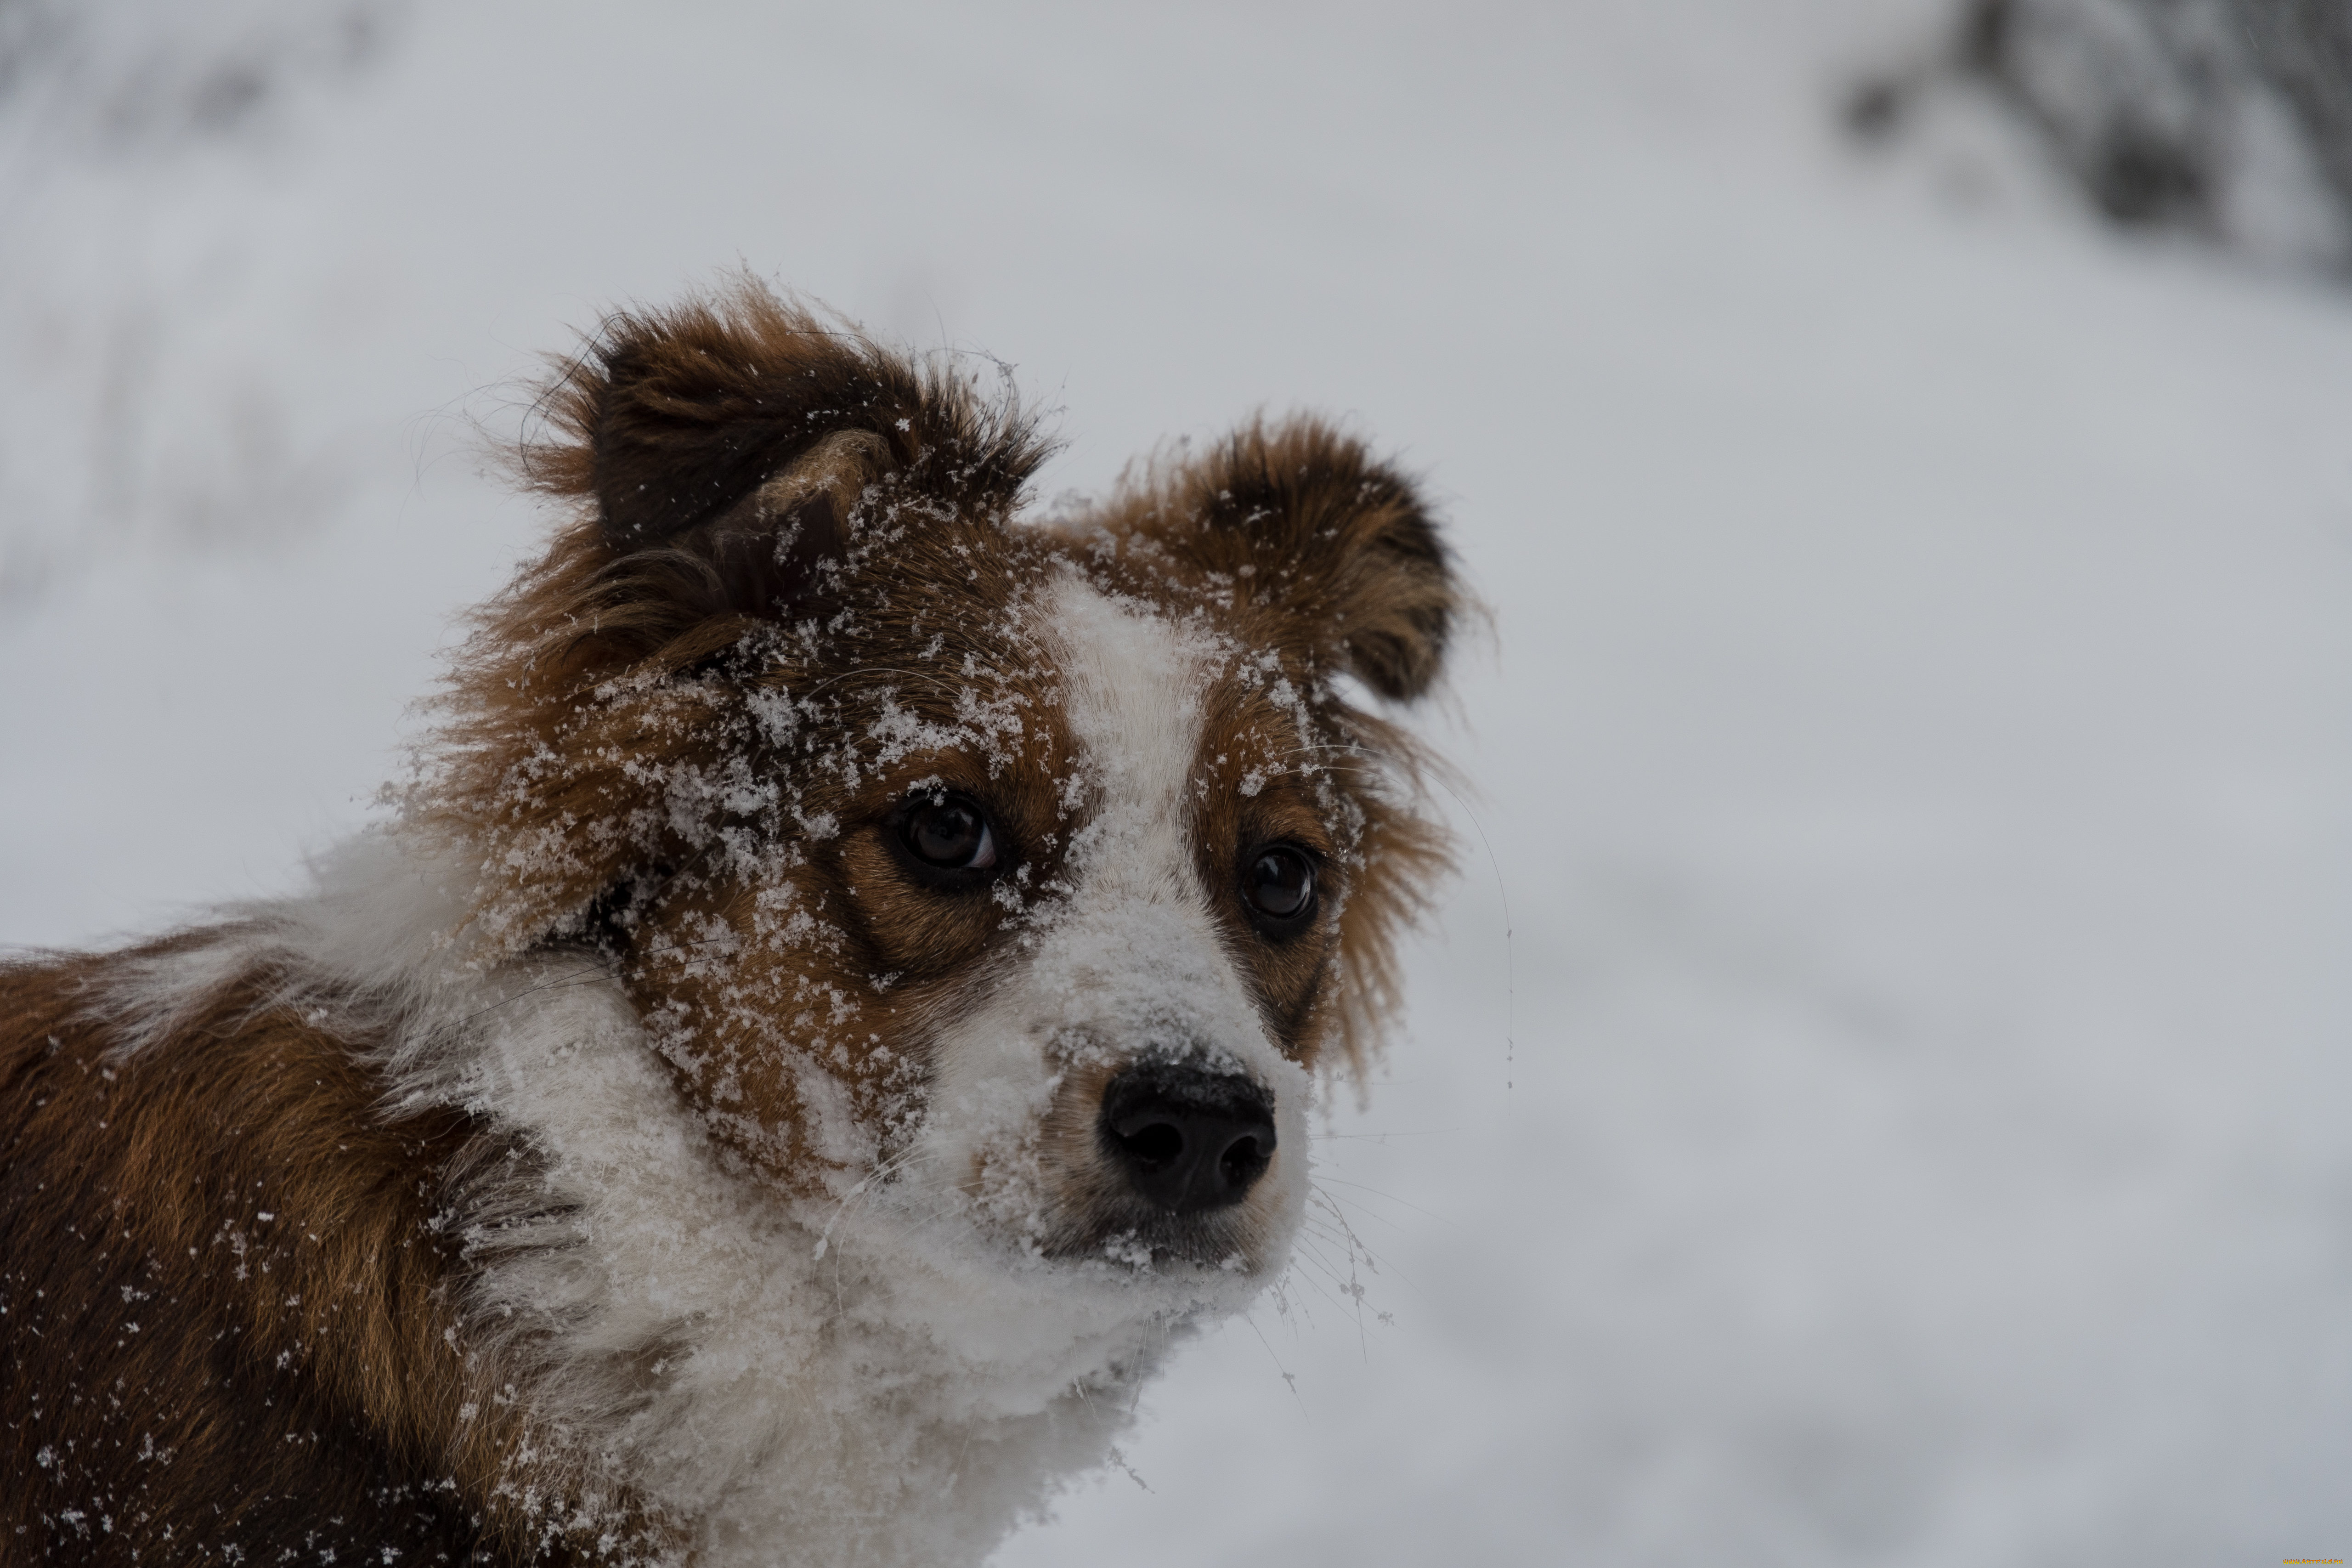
[
  {"x": 227, "y": 1297},
  {"x": 668, "y": 743}
]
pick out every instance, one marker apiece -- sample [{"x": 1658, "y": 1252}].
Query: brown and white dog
[{"x": 841, "y": 992}]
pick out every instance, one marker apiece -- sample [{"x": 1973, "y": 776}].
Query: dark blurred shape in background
[
  {"x": 119, "y": 74},
  {"x": 2230, "y": 118}
]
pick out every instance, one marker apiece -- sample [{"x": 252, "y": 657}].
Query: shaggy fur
[{"x": 651, "y": 1146}]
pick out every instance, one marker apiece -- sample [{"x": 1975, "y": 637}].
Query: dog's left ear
[{"x": 1302, "y": 519}]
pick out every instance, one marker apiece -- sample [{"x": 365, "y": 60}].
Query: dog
[{"x": 837, "y": 997}]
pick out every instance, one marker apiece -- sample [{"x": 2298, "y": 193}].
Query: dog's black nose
[{"x": 1188, "y": 1139}]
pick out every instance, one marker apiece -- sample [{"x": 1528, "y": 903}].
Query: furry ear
[
  {"x": 672, "y": 417},
  {"x": 771, "y": 551},
  {"x": 721, "y": 447},
  {"x": 733, "y": 462},
  {"x": 1302, "y": 518}
]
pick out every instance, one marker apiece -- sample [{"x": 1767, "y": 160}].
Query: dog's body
[{"x": 839, "y": 999}]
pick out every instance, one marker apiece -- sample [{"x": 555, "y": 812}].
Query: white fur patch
[{"x": 1128, "y": 961}]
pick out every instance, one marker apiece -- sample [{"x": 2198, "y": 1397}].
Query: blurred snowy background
[{"x": 1908, "y": 1122}]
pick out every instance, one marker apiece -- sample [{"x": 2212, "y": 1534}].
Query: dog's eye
[
  {"x": 1278, "y": 882},
  {"x": 951, "y": 833}
]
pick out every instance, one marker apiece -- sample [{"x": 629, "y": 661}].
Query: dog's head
[{"x": 1035, "y": 863}]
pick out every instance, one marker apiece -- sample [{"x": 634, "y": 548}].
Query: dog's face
[{"x": 1027, "y": 867}]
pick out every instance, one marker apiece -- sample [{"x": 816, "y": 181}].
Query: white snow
[{"x": 1904, "y": 1125}]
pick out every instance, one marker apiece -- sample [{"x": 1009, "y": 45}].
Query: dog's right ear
[{"x": 728, "y": 451}]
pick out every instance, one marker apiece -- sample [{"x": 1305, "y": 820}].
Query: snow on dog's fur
[{"x": 841, "y": 995}]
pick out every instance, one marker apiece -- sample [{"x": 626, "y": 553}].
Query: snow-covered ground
[{"x": 1906, "y": 1123}]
